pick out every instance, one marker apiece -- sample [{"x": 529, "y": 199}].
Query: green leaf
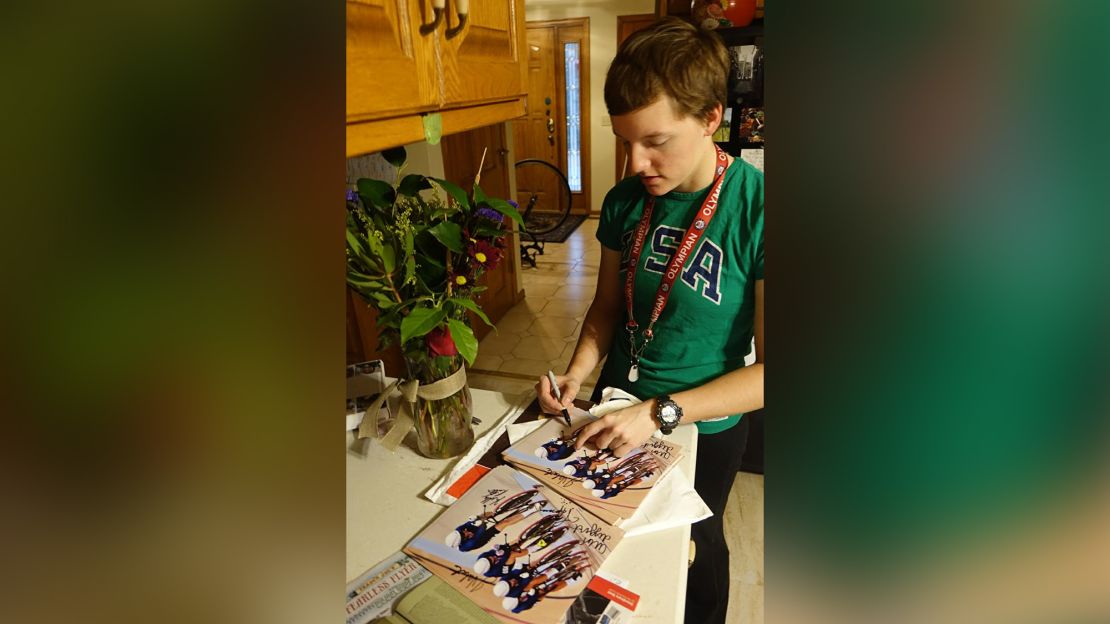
[
  {"x": 409, "y": 302},
  {"x": 431, "y": 278},
  {"x": 488, "y": 232},
  {"x": 357, "y": 248},
  {"x": 360, "y": 280},
  {"x": 383, "y": 302},
  {"x": 389, "y": 258},
  {"x": 450, "y": 234},
  {"x": 455, "y": 191},
  {"x": 410, "y": 257},
  {"x": 376, "y": 192},
  {"x": 395, "y": 156},
  {"x": 464, "y": 339},
  {"x": 381, "y": 254},
  {"x": 421, "y": 321},
  {"x": 479, "y": 195},
  {"x": 470, "y": 304},
  {"x": 413, "y": 184},
  {"x": 505, "y": 208},
  {"x": 430, "y": 249}
]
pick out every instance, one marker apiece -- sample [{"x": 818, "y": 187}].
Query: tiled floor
[{"x": 540, "y": 333}]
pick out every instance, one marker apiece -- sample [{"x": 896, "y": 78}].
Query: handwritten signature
[
  {"x": 492, "y": 496},
  {"x": 473, "y": 583}
]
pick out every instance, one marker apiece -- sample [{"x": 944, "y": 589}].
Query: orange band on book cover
[
  {"x": 469, "y": 478},
  {"x": 614, "y": 592}
]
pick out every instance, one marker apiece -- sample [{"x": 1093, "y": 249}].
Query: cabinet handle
[
  {"x": 437, "y": 7},
  {"x": 462, "y": 10}
]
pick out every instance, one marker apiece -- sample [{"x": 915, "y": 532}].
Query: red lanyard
[{"x": 689, "y": 241}]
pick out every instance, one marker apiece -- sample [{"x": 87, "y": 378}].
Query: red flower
[
  {"x": 484, "y": 255},
  {"x": 440, "y": 343}
]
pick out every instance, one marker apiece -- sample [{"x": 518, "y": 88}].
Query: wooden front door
[
  {"x": 542, "y": 133},
  {"x": 626, "y": 25},
  {"x": 461, "y": 155}
]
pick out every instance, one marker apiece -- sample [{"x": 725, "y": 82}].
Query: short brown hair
[{"x": 669, "y": 57}]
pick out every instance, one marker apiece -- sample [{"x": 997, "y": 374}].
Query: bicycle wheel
[{"x": 543, "y": 194}]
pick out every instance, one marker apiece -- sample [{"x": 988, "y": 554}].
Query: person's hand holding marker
[{"x": 557, "y": 400}]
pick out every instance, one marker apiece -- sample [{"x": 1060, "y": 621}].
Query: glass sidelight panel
[{"x": 574, "y": 117}]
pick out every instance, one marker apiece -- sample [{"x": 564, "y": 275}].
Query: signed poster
[
  {"x": 609, "y": 487},
  {"x": 516, "y": 548}
]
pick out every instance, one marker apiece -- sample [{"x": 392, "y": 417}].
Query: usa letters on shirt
[{"x": 702, "y": 273}]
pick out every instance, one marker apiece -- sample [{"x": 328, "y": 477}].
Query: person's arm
[
  {"x": 594, "y": 339},
  {"x": 734, "y": 392}
]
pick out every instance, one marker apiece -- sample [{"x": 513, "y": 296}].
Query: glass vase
[{"x": 443, "y": 426}]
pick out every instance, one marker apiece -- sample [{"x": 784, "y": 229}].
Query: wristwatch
[{"x": 668, "y": 413}]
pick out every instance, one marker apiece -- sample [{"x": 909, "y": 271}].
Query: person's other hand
[
  {"x": 622, "y": 430},
  {"x": 568, "y": 387}
]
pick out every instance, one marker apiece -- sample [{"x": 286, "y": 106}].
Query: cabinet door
[
  {"x": 461, "y": 154},
  {"x": 483, "y": 62},
  {"x": 391, "y": 67}
]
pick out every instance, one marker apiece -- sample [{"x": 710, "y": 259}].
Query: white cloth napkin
[
  {"x": 613, "y": 399},
  {"x": 672, "y": 502}
]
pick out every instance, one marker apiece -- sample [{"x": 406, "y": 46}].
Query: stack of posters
[
  {"x": 610, "y": 487},
  {"x": 515, "y": 547}
]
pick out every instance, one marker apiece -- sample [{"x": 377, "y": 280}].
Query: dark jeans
[{"x": 707, "y": 581}]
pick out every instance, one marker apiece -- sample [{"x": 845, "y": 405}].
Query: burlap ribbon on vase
[{"x": 410, "y": 390}]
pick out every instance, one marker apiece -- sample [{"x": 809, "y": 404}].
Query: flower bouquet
[{"x": 415, "y": 255}]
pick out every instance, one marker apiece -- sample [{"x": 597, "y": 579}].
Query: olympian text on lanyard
[{"x": 689, "y": 241}]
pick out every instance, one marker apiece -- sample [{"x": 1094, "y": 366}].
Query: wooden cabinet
[
  {"x": 362, "y": 337},
  {"x": 388, "y": 61},
  {"x": 397, "y": 74},
  {"x": 484, "y": 61}
]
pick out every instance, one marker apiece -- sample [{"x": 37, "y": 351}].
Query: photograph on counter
[
  {"x": 607, "y": 486},
  {"x": 515, "y": 548}
]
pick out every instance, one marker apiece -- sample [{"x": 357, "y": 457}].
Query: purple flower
[
  {"x": 514, "y": 204},
  {"x": 489, "y": 213},
  {"x": 352, "y": 196}
]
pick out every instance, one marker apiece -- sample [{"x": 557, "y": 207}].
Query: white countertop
[{"x": 386, "y": 508}]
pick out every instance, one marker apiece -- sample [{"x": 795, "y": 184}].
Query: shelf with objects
[
  {"x": 743, "y": 125},
  {"x": 739, "y": 24}
]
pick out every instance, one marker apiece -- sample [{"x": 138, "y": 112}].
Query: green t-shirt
[{"x": 706, "y": 328}]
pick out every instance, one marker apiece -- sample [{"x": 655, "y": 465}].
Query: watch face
[{"x": 668, "y": 414}]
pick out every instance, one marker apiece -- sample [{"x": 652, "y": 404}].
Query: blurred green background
[{"x": 939, "y": 297}]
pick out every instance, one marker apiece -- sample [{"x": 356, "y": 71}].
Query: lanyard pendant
[{"x": 634, "y": 372}]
